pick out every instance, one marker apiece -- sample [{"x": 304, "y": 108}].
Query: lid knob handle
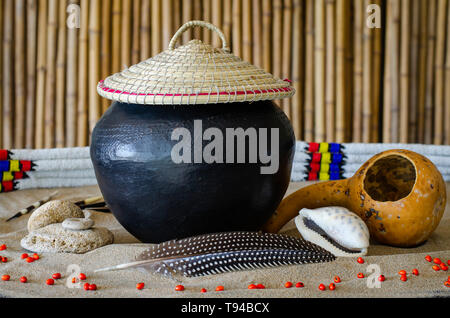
[{"x": 196, "y": 23}]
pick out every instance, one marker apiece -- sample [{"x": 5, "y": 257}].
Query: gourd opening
[{"x": 390, "y": 178}]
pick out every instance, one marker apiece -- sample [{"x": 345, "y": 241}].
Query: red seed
[
  {"x": 437, "y": 261},
  {"x": 448, "y": 278},
  {"x": 448, "y": 261},
  {"x": 23, "y": 279},
  {"x": 82, "y": 276},
  {"x": 203, "y": 290},
  {"x": 288, "y": 284},
  {"x": 140, "y": 286},
  {"x": 29, "y": 260},
  {"x": 260, "y": 286},
  {"x": 428, "y": 258},
  {"x": 3, "y": 247},
  {"x": 299, "y": 285},
  {"x": 220, "y": 288},
  {"x": 337, "y": 279},
  {"x": 4, "y": 259},
  {"x": 443, "y": 267},
  {"x": 92, "y": 287},
  {"x": 360, "y": 275},
  {"x": 179, "y": 288},
  {"x": 415, "y": 271},
  {"x": 447, "y": 283},
  {"x": 56, "y": 275},
  {"x": 322, "y": 287},
  {"x": 436, "y": 268},
  {"x": 402, "y": 272},
  {"x": 86, "y": 286},
  {"x": 6, "y": 277},
  {"x": 360, "y": 260},
  {"x": 24, "y": 255},
  {"x": 404, "y": 278},
  {"x": 251, "y": 286},
  {"x": 381, "y": 278},
  {"x": 35, "y": 256},
  {"x": 50, "y": 281},
  {"x": 74, "y": 280},
  {"x": 332, "y": 286}
]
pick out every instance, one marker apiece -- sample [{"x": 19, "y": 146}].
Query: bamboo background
[{"x": 353, "y": 83}]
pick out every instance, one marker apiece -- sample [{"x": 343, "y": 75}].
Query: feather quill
[{"x": 224, "y": 252}]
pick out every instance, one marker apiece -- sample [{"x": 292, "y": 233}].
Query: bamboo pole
[
  {"x": 439, "y": 64},
  {"x": 277, "y": 41},
  {"x": 72, "y": 85},
  {"x": 286, "y": 63},
  {"x": 319, "y": 69},
  {"x": 367, "y": 47},
  {"x": 60, "y": 76},
  {"x": 8, "y": 79},
  {"x": 116, "y": 38},
  {"x": 422, "y": 71},
  {"x": 156, "y": 27},
  {"x": 227, "y": 19},
  {"x": 236, "y": 44},
  {"x": 196, "y": 15},
  {"x": 177, "y": 14},
  {"x": 394, "y": 66},
  {"x": 125, "y": 54},
  {"x": 216, "y": 16},
  {"x": 298, "y": 69},
  {"x": 145, "y": 30},
  {"x": 206, "y": 16},
  {"x": 82, "y": 120},
  {"x": 267, "y": 35},
  {"x": 1, "y": 74},
  {"x": 447, "y": 81},
  {"x": 376, "y": 81},
  {"x": 309, "y": 75},
  {"x": 136, "y": 24},
  {"x": 414, "y": 67},
  {"x": 247, "y": 42},
  {"x": 19, "y": 73},
  {"x": 257, "y": 33},
  {"x": 405, "y": 50},
  {"x": 340, "y": 71},
  {"x": 348, "y": 66},
  {"x": 187, "y": 15},
  {"x": 431, "y": 51},
  {"x": 330, "y": 70},
  {"x": 167, "y": 31},
  {"x": 358, "y": 71},
  {"x": 106, "y": 45},
  {"x": 41, "y": 67},
  {"x": 94, "y": 62}
]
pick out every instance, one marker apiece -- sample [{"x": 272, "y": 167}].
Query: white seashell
[
  {"x": 335, "y": 229},
  {"x": 77, "y": 224}
]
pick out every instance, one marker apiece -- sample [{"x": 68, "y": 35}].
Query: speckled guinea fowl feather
[{"x": 223, "y": 252}]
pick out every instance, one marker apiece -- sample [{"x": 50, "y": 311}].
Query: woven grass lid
[{"x": 195, "y": 73}]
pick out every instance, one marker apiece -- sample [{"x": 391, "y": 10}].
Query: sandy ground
[{"x": 123, "y": 283}]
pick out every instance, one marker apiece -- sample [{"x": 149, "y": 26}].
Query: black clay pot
[{"x": 157, "y": 199}]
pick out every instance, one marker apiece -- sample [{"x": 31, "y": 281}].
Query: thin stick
[
  {"x": 41, "y": 74},
  {"x": 376, "y": 82},
  {"x": 358, "y": 71},
  {"x": 82, "y": 129},
  {"x": 247, "y": 44},
  {"x": 447, "y": 80},
  {"x": 319, "y": 76},
  {"x": 348, "y": 66},
  {"x": 206, "y": 16},
  {"x": 340, "y": 70},
  {"x": 94, "y": 63},
  {"x": 187, "y": 16},
  {"x": 404, "y": 69},
  {"x": 196, "y": 15},
  {"x": 30, "y": 71},
  {"x": 177, "y": 14},
  {"x": 60, "y": 75},
  {"x": 167, "y": 11},
  {"x": 257, "y": 33},
  {"x": 367, "y": 47},
  {"x": 156, "y": 27},
  {"x": 414, "y": 67},
  {"x": 106, "y": 46},
  {"x": 298, "y": 69},
  {"x": 8, "y": 79},
  {"x": 145, "y": 30},
  {"x": 429, "y": 96},
  {"x": 277, "y": 42},
  {"x": 395, "y": 75},
  {"x": 287, "y": 51},
  {"x": 1, "y": 74},
  {"x": 217, "y": 21},
  {"x": 227, "y": 19},
  {"x": 125, "y": 54},
  {"x": 71, "y": 85},
  {"x": 330, "y": 66},
  {"x": 116, "y": 32},
  {"x": 19, "y": 73},
  {"x": 439, "y": 63},
  {"x": 422, "y": 71},
  {"x": 136, "y": 20},
  {"x": 309, "y": 62},
  {"x": 237, "y": 29}
]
